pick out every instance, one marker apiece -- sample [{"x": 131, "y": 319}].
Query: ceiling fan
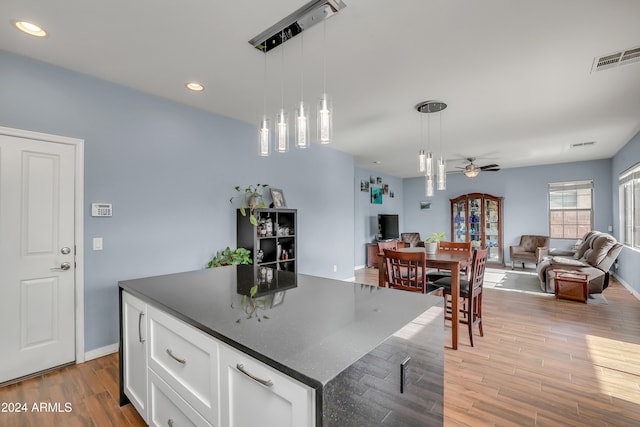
[{"x": 472, "y": 170}]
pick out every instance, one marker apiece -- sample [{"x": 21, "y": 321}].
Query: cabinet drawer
[
  {"x": 187, "y": 360},
  {"x": 281, "y": 402},
  {"x": 169, "y": 409}
]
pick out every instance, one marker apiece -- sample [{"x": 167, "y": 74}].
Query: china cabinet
[{"x": 477, "y": 218}]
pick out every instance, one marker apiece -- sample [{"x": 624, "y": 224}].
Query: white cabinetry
[
  {"x": 134, "y": 330},
  {"x": 187, "y": 360},
  {"x": 254, "y": 394},
  {"x": 176, "y": 375}
]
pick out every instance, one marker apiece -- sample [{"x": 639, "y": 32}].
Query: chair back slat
[
  {"x": 478, "y": 265},
  {"x": 405, "y": 270}
]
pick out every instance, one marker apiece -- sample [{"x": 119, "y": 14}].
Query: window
[
  {"x": 570, "y": 209},
  {"x": 629, "y": 187}
]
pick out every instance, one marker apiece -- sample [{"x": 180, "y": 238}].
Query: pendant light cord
[
  {"x": 264, "y": 84},
  {"x": 324, "y": 56},
  {"x": 282, "y": 70}
]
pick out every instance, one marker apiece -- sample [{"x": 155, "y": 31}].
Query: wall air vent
[
  {"x": 582, "y": 144},
  {"x": 611, "y": 60}
]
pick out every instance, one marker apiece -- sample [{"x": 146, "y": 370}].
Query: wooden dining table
[{"x": 453, "y": 261}]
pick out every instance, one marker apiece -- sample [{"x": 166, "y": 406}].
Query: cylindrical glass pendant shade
[
  {"x": 282, "y": 131},
  {"x": 264, "y": 135},
  {"x": 429, "y": 165},
  {"x": 302, "y": 125},
  {"x": 428, "y": 186},
  {"x": 325, "y": 120},
  {"x": 442, "y": 174},
  {"x": 422, "y": 161}
]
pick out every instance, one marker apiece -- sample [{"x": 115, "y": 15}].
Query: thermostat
[{"x": 101, "y": 209}]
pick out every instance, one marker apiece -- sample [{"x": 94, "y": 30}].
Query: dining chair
[
  {"x": 470, "y": 304},
  {"x": 443, "y": 246},
  {"x": 405, "y": 270}
]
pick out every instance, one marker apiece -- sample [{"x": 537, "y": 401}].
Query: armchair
[
  {"x": 411, "y": 239},
  {"x": 531, "y": 249}
]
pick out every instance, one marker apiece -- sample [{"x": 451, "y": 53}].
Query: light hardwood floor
[
  {"x": 545, "y": 362},
  {"x": 541, "y": 362}
]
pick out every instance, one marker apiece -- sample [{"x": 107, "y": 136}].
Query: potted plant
[
  {"x": 252, "y": 199},
  {"x": 431, "y": 244},
  {"x": 230, "y": 257}
]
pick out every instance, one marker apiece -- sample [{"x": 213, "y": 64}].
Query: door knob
[{"x": 63, "y": 266}]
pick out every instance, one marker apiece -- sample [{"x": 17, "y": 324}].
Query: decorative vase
[{"x": 431, "y": 247}]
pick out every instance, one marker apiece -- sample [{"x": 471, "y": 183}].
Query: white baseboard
[
  {"x": 628, "y": 286},
  {"x": 102, "y": 351},
  {"x": 359, "y": 267}
]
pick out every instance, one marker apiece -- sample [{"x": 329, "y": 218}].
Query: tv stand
[{"x": 372, "y": 252}]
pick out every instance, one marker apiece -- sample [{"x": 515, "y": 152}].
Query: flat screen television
[{"x": 388, "y": 227}]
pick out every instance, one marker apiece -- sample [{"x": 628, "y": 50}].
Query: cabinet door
[
  {"x": 475, "y": 222},
  {"x": 492, "y": 230},
  {"x": 134, "y": 341},
  {"x": 253, "y": 394},
  {"x": 168, "y": 408},
  {"x": 187, "y": 360},
  {"x": 459, "y": 218}
]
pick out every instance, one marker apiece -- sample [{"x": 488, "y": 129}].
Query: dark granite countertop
[{"x": 310, "y": 328}]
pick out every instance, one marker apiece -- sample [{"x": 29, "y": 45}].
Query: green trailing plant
[
  {"x": 251, "y": 199},
  {"x": 436, "y": 237},
  {"x": 230, "y": 257},
  {"x": 252, "y": 306}
]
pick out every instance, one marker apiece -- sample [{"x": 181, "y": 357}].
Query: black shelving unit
[{"x": 277, "y": 242}]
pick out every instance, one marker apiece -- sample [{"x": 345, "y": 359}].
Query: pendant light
[
  {"x": 428, "y": 186},
  {"x": 422, "y": 157},
  {"x": 282, "y": 118},
  {"x": 264, "y": 127},
  {"x": 302, "y": 112},
  {"x": 442, "y": 166},
  {"x": 325, "y": 113}
]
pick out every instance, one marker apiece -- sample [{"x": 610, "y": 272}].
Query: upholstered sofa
[
  {"x": 594, "y": 256},
  {"x": 531, "y": 249}
]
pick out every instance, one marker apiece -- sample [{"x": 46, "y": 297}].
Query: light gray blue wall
[
  {"x": 169, "y": 171},
  {"x": 366, "y": 214},
  {"x": 629, "y": 259},
  {"x": 525, "y": 198}
]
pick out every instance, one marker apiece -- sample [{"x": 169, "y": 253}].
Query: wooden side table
[{"x": 571, "y": 285}]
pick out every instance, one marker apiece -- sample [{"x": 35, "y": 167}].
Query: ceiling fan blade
[{"x": 489, "y": 167}]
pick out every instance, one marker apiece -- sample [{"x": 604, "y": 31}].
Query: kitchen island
[{"x": 302, "y": 350}]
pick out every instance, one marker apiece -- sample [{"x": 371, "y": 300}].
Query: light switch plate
[{"x": 97, "y": 243}]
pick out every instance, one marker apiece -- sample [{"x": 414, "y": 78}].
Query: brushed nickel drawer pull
[
  {"x": 140, "y": 327},
  {"x": 267, "y": 383},
  {"x": 177, "y": 359}
]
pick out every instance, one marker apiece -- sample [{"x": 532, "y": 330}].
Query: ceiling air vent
[
  {"x": 582, "y": 144},
  {"x": 611, "y": 60}
]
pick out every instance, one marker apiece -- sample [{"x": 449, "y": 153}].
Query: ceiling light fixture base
[{"x": 430, "y": 106}]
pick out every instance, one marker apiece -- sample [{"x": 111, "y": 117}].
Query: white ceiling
[{"x": 516, "y": 75}]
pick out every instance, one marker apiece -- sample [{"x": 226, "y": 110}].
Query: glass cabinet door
[
  {"x": 459, "y": 221},
  {"x": 475, "y": 222},
  {"x": 491, "y": 229}
]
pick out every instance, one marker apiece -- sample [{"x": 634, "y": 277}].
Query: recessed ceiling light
[
  {"x": 196, "y": 87},
  {"x": 376, "y": 162},
  {"x": 30, "y": 28}
]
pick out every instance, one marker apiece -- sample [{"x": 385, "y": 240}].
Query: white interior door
[{"x": 37, "y": 262}]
